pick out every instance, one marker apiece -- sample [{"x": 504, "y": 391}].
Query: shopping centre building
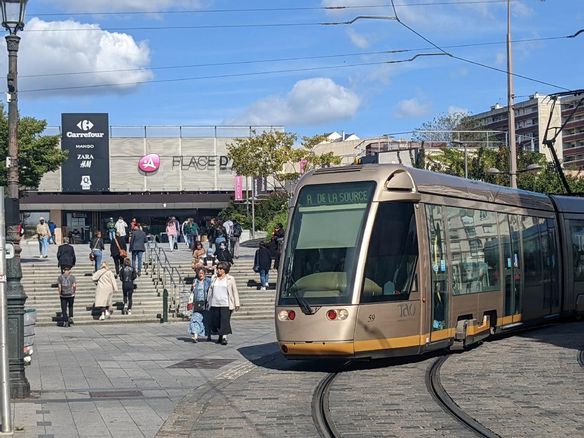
[{"x": 149, "y": 173}]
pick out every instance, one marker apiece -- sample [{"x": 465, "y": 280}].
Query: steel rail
[
  {"x": 581, "y": 357},
  {"x": 448, "y": 405},
  {"x": 320, "y": 408}
]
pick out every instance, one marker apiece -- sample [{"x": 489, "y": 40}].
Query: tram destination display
[
  {"x": 335, "y": 194},
  {"x": 86, "y": 138}
]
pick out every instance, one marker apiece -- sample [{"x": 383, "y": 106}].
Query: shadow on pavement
[{"x": 569, "y": 334}]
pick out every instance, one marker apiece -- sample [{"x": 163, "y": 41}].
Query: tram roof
[
  {"x": 569, "y": 204},
  {"x": 425, "y": 181}
]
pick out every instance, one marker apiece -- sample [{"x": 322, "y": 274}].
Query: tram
[{"x": 385, "y": 260}]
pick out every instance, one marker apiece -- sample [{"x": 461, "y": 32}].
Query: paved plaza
[{"x": 147, "y": 380}]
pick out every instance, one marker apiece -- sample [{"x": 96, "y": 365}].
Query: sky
[{"x": 301, "y": 64}]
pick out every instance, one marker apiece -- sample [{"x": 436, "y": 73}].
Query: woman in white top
[{"x": 223, "y": 299}]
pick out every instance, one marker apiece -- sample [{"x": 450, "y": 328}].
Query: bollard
[{"x": 164, "y": 306}]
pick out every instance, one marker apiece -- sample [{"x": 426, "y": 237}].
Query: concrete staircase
[
  {"x": 40, "y": 284},
  {"x": 255, "y": 303},
  {"x": 39, "y": 280}
]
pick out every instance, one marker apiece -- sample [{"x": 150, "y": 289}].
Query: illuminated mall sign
[{"x": 201, "y": 162}]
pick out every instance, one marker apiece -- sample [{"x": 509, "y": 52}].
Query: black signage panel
[{"x": 86, "y": 137}]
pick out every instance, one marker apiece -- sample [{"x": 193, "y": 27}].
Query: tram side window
[
  {"x": 577, "y": 233},
  {"x": 392, "y": 255},
  {"x": 531, "y": 251},
  {"x": 474, "y": 249},
  {"x": 439, "y": 265}
]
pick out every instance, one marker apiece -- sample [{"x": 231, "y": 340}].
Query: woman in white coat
[
  {"x": 222, "y": 299},
  {"x": 104, "y": 292}
]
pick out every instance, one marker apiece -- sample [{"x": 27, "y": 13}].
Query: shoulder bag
[{"x": 123, "y": 252}]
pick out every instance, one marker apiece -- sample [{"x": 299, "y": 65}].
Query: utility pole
[{"x": 510, "y": 103}]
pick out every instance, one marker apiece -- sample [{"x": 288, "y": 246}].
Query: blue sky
[{"x": 208, "y": 62}]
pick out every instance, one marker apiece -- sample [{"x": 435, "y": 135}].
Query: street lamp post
[{"x": 13, "y": 20}]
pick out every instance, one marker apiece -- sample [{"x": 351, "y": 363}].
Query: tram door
[
  {"x": 439, "y": 276},
  {"x": 509, "y": 228}
]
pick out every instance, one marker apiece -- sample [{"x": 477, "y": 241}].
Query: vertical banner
[
  {"x": 260, "y": 185},
  {"x": 303, "y": 164},
  {"x": 239, "y": 188},
  {"x": 86, "y": 138}
]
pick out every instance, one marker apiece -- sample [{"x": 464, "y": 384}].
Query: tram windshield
[{"x": 323, "y": 241}]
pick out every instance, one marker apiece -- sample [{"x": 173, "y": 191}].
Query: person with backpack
[
  {"x": 236, "y": 231},
  {"x": 111, "y": 229},
  {"x": 127, "y": 275},
  {"x": 67, "y": 286}
]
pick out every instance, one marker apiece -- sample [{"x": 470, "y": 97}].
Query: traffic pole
[{"x": 6, "y": 419}]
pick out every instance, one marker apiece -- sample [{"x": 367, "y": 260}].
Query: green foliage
[
  {"x": 266, "y": 210},
  {"x": 440, "y": 130},
  {"x": 273, "y": 155},
  {"x": 37, "y": 154}
]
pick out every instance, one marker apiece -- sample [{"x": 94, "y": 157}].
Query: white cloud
[
  {"x": 412, "y": 108},
  {"x": 125, "y": 5},
  {"x": 357, "y": 39},
  {"x": 47, "y": 50},
  {"x": 311, "y": 101}
]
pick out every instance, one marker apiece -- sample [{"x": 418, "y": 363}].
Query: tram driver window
[{"x": 392, "y": 255}]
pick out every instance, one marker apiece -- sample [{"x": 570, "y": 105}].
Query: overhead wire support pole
[{"x": 510, "y": 103}]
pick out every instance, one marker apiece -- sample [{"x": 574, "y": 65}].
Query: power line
[
  {"x": 232, "y": 75},
  {"x": 300, "y": 58},
  {"x": 288, "y": 9},
  {"x": 436, "y": 46}
]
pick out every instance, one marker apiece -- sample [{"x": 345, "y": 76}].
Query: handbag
[
  {"x": 92, "y": 256},
  {"x": 199, "y": 306},
  {"x": 256, "y": 268},
  {"x": 123, "y": 252}
]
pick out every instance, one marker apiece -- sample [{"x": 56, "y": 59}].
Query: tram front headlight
[
  {"x": 283, "y": 315},
  {"x": 343, "y": 314}
]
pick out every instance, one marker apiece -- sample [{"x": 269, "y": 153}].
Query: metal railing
[{"x": 165, "y": 276}]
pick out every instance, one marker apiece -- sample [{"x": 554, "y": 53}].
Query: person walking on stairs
[
  {"x": 127, "y": 275},
  {"x": 104, "y": 292},
  {"x": 67, "y": 287}
]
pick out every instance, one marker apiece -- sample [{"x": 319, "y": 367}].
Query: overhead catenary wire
[
  {"x": 281, "y": 9},
  {"x": 298, "y": 58},
  {"x": 230, "y": 75},
  {"x": 480, "y": 64}
]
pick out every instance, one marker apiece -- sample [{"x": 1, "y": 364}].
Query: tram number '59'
[
  {"x": 407, "y": 310},
  {"x": 372, "y": 317}
]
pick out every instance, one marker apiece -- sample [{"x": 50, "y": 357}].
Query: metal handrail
[{"x": 161, "y": 269}]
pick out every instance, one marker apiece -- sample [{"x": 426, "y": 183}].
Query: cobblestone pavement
[
  {"x": 145, "y": 380},
  {"x": 526, "y": 385}
]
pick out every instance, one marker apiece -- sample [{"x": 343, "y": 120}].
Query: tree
[
  {"x": 448, "y": 128},
  {"x": 272, "y": 155},
  {"x": 37, "y": 153}
]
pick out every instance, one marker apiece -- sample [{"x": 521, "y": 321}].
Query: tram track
[
  {"x": 581, "y": 357},
  {"x": 320, "y": 407},
  {"x": 442, "y": 397}
]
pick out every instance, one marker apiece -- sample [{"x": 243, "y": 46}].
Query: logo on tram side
[{"x": 149, "y": 163}]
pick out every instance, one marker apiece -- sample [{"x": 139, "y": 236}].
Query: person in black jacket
[
  {"x": 118, "y": 243},
  {"x": 223, "y": 254},
  {"x": 127, "y": 275},
  {"x": 138, "y": 247},
  {"x": 261, "y": 264},
  {"x": 66, "y": 255}
]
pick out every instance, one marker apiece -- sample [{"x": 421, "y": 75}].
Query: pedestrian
[
  {"x": 43, "y": 234},
  {"x": 223, "y": 254},
  {"x": 127, "y": 275},
  {"x": 228, "y": 226},
  {"x": 199, "y": 319},
  {"x": 198, "y": 254},
  {"x": 67, "y": 287},
  {"x": 261, "y": 264},
  {"x": 52, "y": 228},
  {"x": 121, "y": 227},
  {"x": 134, "y": 224},
  {"x": 111, "y": 229},
  {"x": 118, "y": 251},
  {"x": 96, "y": 245},
  {"x": 104, "y": 292},
  {"x": 66, "y": 255},
  {"x": 210, "y": 263},
  {"x": 223, "y": 299},
  {"x": 172, "y": 233},
  {"x": 138, "y": 247},
  {"x": 277, "y": 243},
  {"x": 236, "y": 232}
]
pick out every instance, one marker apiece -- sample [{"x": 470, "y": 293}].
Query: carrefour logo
[{"x": 85, "y": 125}]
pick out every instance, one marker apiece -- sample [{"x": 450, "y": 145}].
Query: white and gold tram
[{"x": 384, "y": 260}]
